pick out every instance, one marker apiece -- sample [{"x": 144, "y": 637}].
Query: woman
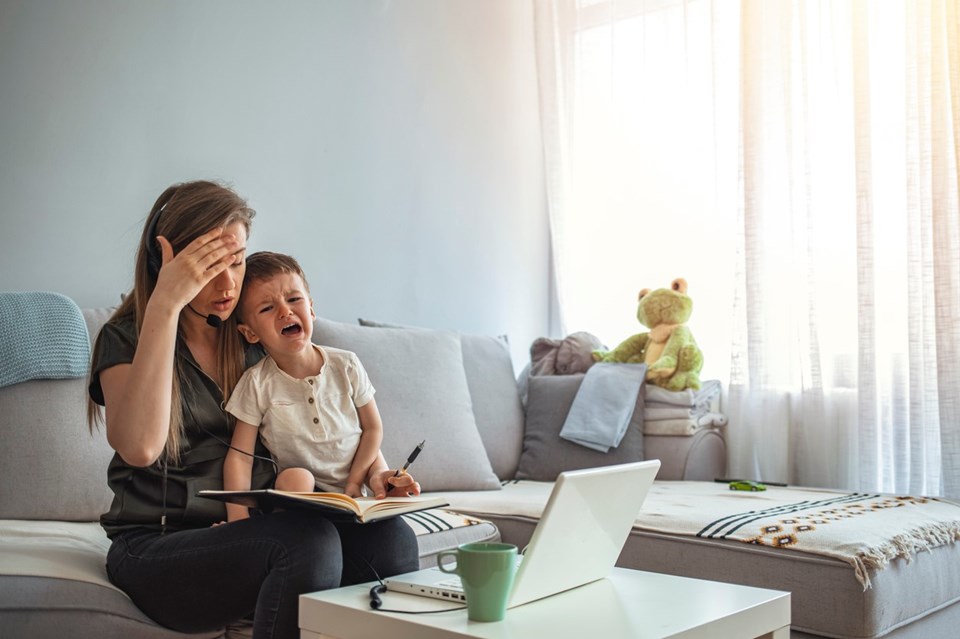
[{"x": 163, "y": 366}]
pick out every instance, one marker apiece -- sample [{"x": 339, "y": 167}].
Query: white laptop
[{"x": 579, "y": 537}]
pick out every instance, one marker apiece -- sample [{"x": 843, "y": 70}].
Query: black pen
[{"x": 413, "y": 455}]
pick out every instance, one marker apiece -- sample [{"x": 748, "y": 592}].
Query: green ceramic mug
[{"x": 486, "y": 571}]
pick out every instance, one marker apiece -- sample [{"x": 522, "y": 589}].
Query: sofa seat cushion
[
  {"x": 74, "y": 551},
  {"x": 53, "y": 577},
  {"x": 828, "y": 599}
]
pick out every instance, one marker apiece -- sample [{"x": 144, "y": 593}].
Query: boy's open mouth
[{"x": 291, "y": 329}]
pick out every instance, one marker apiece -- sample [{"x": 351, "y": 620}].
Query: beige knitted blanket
[{"x": 865, "y": 530}]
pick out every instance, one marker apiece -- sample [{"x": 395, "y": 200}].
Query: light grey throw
[{"x": 604, "y": 404}]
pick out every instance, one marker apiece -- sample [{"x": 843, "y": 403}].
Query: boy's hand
[
  {"x": 353, "y": 490},
  {"x": 384, "y": 483}
]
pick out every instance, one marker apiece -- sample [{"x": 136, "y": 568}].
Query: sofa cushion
[
  {"x": 545, "y": 455},
  {"x": 48, "y": 446},
  {"x": 494, "y": 395},
  {"x": 422, "y": 394}
]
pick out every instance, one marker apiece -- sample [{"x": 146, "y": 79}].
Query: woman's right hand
[
  {"x": 183, "y": 276},
  {"x": 138, "y": 395}
]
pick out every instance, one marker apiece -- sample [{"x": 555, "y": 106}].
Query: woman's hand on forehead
[{"x": 183, "y": 276}]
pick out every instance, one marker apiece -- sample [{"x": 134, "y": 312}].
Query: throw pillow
[
  {"x": 494, "y": 395},
  {"x": 545, "y": 455},
  {"x": 421, "y": 394}
]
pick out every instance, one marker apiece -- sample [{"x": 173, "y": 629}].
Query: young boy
[{"x": 312, "y": 405}]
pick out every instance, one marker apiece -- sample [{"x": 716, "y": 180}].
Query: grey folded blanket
[
  {"x": 603, "y": 406},
  {"x": 698, "y": 401},
  {"x": 42, "y": 336}
]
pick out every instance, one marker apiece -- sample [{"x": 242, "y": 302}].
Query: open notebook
[
  {"x": 577, "y": 541},
  {"x": 361, "y": 509}
]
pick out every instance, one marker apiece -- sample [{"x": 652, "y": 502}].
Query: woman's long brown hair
[{"x": 186, "y": 211}]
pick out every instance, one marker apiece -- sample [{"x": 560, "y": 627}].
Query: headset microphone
[
  {"x": 155, "y": 261},
  {"x": 212, "y": 320}
]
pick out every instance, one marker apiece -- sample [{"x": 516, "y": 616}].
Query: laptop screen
[{"x": 583, "y": 529}]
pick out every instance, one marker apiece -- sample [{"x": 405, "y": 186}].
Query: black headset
[{"x": 155, "y": 261}]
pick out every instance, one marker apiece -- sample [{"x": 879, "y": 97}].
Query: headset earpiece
[
  {"x": 154, "y": 256},
  {"x": 155, "y": 261}
]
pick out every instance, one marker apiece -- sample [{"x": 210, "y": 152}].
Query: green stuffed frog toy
[{"x": 671, "y": 354}]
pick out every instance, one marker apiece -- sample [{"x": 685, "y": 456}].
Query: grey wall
[{"x": 393, "y": 147}]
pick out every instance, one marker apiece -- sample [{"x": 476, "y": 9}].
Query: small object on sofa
[
  {"x": 746, "y": 484},
  {"x": 671, "y": 354}
]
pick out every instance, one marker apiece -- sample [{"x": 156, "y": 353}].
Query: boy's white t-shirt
[{"x": 308, "y": 423}]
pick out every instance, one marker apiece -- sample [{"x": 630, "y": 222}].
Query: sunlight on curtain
[
  {"x": 650, "y": 180},
  {"x": 796, "y": 163}
]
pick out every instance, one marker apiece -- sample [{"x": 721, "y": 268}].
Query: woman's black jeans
[{"x": 200, "y": 580}]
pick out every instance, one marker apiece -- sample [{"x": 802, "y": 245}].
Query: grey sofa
[
  {"x": 489, "y": 456},
  {"x": 53, "y": 479}
]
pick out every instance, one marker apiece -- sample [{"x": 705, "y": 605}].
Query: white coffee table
[{"x": 629, "y": 604}]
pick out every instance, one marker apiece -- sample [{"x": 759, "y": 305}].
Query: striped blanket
[
  {"x": 865, "y": 530},
  {"x": 434, "y": 520}
]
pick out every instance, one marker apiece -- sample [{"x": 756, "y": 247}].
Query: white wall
[{"x": 392, "y": 147}]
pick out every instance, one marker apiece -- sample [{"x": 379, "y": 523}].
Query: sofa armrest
[{"x": 701, "y": 456}]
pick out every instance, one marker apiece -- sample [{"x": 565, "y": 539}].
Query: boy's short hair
[{"x": 263, "y": 265}]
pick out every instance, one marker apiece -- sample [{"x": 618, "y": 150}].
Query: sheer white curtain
[{"x": 796, "y": 162}]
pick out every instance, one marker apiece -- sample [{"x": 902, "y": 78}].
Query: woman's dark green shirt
[{"x": 142, "y": 496}]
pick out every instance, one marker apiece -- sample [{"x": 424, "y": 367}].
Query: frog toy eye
[
  {"x": 679, "y": 285},
  {"x": 643, "y": 293}
]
